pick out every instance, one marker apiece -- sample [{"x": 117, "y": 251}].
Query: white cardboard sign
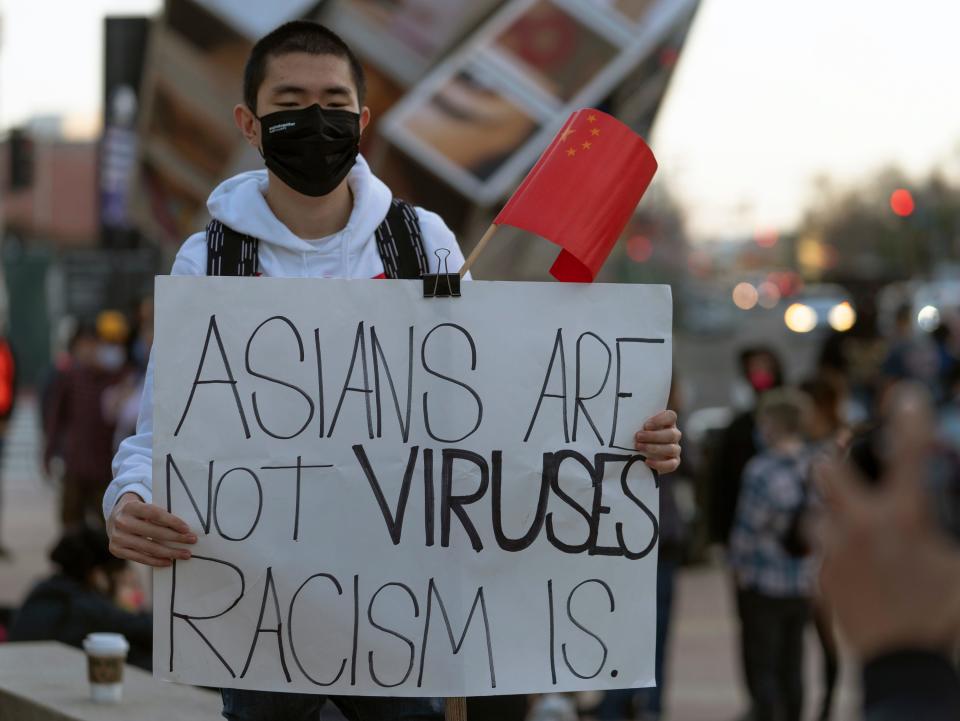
[{"x": 402, "y": 496}]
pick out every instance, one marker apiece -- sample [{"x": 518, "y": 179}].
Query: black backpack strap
[
  {"x": 400, "y": 242},
  {"x": 230, "y": 252}
]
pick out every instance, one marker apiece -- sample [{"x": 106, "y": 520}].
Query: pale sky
[
  {"x": 768, "y": 94},
  {"x": 51, "y": 57}
]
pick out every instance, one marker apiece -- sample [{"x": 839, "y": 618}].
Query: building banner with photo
[
  {"x": 480, "y": 118},
  {"x": 403, "y": 496}
]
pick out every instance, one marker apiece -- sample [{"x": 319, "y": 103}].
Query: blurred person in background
[
  {"x": 142, "y": 338},
  {"x": 76, "y": 425},
  {"x": 950, "y": 412},
  {"x": 83, "y": 596},
  {"x": 121, "y": 402},
  {"x": 68, "y": 336},
  {"x": 8, "y": 394},
  {"x": 891, "y": 572},
  {"x": 828, "y": 435},
  {"x": 761, "y": 371},
  {"x": 910, "y": 356},
  {"x": 842, "y": 362},
  {"x": 774, "y": 584},
  {"x": 945, "y": 344}
]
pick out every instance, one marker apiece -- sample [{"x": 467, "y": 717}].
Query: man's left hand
[{"x": 659, "y": 441}]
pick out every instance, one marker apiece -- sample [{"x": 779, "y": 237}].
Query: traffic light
[
  {"x": 901, "y": 202},
  {"x": 20, "y": 148}
]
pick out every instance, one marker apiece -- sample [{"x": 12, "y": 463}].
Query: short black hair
[
  {"x": 297, "y": 36},
  {"x": 81, "y": 551}
]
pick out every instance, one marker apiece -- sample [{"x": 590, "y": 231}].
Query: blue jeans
[{"x": 243, "y": 705}]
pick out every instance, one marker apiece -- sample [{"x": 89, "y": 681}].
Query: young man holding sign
[{"x": 316, "y": 211}]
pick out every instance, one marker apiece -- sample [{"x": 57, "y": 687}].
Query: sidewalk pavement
[
  {"x": 704, "y": 680},
  {"x": 29, "y": 523}
]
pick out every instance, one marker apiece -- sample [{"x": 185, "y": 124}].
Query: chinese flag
[{"x": 582, "y": 192}]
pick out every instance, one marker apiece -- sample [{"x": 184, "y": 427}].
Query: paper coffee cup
[{"x": 106, "y": 654}]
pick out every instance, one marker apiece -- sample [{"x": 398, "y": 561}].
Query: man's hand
[
  {"x": 144, "y": 532},
  {"x": 659, "y": 441},
  {"x": 889, "y": 572}
]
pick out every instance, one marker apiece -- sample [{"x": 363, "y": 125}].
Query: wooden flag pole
[
  {"x": 475, "y": 253},
  {"x": 456, "y": 709},
  {"x": 456, "y": 706}
]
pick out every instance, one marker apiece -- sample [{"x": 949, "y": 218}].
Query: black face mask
[{"x": 311, "y": 149}]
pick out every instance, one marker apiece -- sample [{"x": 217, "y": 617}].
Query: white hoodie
[{"x": 350, "y": 253}]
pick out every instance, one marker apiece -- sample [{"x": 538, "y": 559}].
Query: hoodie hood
[{"x": 239, "y": 203}]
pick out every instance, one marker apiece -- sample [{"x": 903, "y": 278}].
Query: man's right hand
[{"x": 144, "y": 532}]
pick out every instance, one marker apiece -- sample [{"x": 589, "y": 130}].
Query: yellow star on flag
[
  {"x": 594, "y": 131},
  {"x": 567, "y": 132},
  {"x": 591, "y": 118},
  {"x": 587, "y": 145},
  {"x": 571, "y": 152}
]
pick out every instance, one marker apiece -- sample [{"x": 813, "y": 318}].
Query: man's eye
[{"x": 288, "y": 105}]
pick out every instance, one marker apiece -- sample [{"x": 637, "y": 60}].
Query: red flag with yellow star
[{"x": 582, "y": 191}]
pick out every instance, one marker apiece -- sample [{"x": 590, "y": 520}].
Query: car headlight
[
  {"x": 842, "y": 317},
  {"x": 800, "y": 318}
]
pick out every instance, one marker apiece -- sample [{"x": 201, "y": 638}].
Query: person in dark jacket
[
  {"x": 76, "y": 425},
  {"x": 761, "y": 369},
  {"x": 79, "y": 599}
]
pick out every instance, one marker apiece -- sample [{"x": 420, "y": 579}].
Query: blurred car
[{"x": 820, "y": 307}]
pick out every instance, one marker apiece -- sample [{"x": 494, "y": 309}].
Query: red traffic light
[{"x": 901, "y": 202}]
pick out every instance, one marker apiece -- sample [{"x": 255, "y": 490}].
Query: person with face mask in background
[
  {"x": 76, "y": 426},
  {"x": 121, "y": 402},
  {"x": 761, "y": 371},
  {"x": 316, "y": 211}
]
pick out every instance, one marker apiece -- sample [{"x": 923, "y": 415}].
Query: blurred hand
[
  {"x": 889, "y": 572},
  {"x": 659, "y": 441},
  {"x": 143, "y": 532}
]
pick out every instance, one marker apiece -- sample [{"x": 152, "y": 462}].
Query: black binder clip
[{"x": 441, "y": 285}]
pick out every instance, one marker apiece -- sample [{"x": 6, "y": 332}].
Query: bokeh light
[
  {"x": 700, "y": 263},
  {"x": 639, "y": 248},
  {"x": 766, "y": 238},
  {"x": 901, "y": 202},
  {"x": 745, "y": 296},
  {"x": 928, "y": 318},
  {"x": 769, "y": 294},
  {"x": 842, "y": 317},
  {"x": 800, "y": 318},
  {"x": 788, "y": 282}
]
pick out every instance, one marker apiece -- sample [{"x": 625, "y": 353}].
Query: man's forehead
[{"x": 312, "y": 72}]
